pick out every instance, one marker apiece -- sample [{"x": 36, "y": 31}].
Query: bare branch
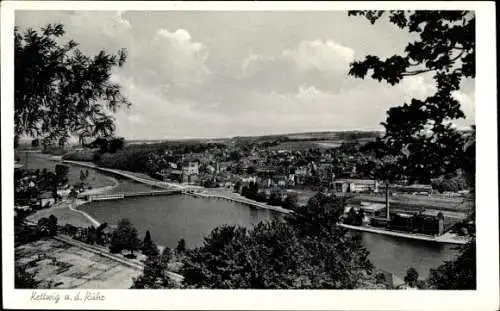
[
  {"x": 458, "y": 56},
  {"x": 416, "y": 72}
]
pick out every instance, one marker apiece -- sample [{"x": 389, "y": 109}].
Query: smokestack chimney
[{"x": 387, "y": 201}]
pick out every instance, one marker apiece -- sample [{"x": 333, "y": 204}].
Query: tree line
[{"x": 305, "y": 250}]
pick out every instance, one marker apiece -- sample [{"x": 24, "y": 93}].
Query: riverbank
[
  {"x": 64, "y": 215},
  {"x": 241, "y": 200},
  {"x": 72, "y": 206},
  {"x": 446, "y": 238},
  {"x": 67, "y": 213},
  {"x": 37, "y": 160},
  {"x": 130, "y": 175},
  {"x": 188, "y": 189}
]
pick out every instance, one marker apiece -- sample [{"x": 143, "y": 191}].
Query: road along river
[{"x": 171, "y": 218}]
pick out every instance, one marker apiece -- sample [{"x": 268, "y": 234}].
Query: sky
[{"x": 196, "y": 74}]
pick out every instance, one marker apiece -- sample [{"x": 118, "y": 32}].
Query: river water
[{"x": 170, "y": 218}]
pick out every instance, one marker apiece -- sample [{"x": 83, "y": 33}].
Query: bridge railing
[{"x": 110, "y": 196}]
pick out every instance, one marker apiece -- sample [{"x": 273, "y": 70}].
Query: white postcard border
[{"x": 486, "y": 295}]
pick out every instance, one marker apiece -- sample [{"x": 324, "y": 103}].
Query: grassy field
[
  {"x": 126, "y": 185},
  {"x": 60, "y": 265},
  {"x": 64, "y": 216}
]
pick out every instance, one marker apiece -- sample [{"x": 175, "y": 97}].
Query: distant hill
[
  {"x": 328, "y": 137},
  {"x": 331, "y": 136}
]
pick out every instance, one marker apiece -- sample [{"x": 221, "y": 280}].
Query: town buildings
[{"x": 356, "y": 185}]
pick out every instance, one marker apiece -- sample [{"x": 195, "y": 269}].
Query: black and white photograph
[{"x": 181, "y": 149}]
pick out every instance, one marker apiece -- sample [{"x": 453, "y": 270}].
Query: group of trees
[
  {"x": 411, "y": 279},
  {"x": 47, "y": 226},
  {"x": 419, "y": 134},
  {"x": 306, "y": 250},
  {"x": 209, "y": 183},
  {"x": 144, "y": 158},
  {"x": 61, "y": 92},
  {"x": 131, "y": 159},
  {"x": 149, "y": 247},
  {"x": 291, "y": 201},
  {"x": 26, "y": 233},
  {"x": 420, "y": 142},
  {"x": 91, "y": 235},
  {"x": 251, "y": 191},
  {"x": 450, "y": 184},
  {"x": 458, "y": 274},
  {"x": 84, "y": 175},
  {"x": 29, "y": 184},
  {"x": 156, "y": 267},
  {"x": 124, "y": 238},
  {"x": 24, "y": 279},
  {"x": 108, "y": 144},
  {"x": 354, "y": 217},
  {"x": 155, "y": 274},
  {"x": 61, "y": 171}
]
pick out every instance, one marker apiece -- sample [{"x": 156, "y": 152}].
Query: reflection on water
[
  {"x": 171, "y": 218},
  {"x": 396, "y": 254}
]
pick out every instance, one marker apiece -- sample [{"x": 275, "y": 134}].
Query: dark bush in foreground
[
  {"x": 307, "y": 250},
  {"x": 457, "y": 274}
]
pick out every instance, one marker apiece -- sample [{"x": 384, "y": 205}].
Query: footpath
[
  {"x": 445, "y": 238},
  {"x": 196, "y": 191},
  {"x": 129, "y": 175},
  {"x": 242, "y": 200}
]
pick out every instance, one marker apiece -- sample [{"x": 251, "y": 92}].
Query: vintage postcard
[{"x": 249, "y": 155}]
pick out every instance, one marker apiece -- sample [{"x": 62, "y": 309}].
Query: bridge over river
[
  {"x": 170, "y": 189},
  {"x": 135, "y": 177},
  {"x": 118, "y": 196}
]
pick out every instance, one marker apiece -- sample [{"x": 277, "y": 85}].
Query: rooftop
[
  {"x": 357, "y": 181},
  {"x": 372, "y": 207}
]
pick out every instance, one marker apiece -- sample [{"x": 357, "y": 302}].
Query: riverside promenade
[
  {"x": 195, "y": 191},
  {"x": 447, "y": 238},
  {"x": 241, "y": 200},
  {"x": 130, "y": 175}
]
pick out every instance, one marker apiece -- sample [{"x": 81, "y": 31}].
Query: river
[
  {"x": 171, "y": 218},
  {"x": 34, "y": 161}
]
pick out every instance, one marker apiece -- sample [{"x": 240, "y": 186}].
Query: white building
[
  {"x": 356, "y": 185},
  {"x": 191, "y": 169},
  {"x": 249, "y": 179}
]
